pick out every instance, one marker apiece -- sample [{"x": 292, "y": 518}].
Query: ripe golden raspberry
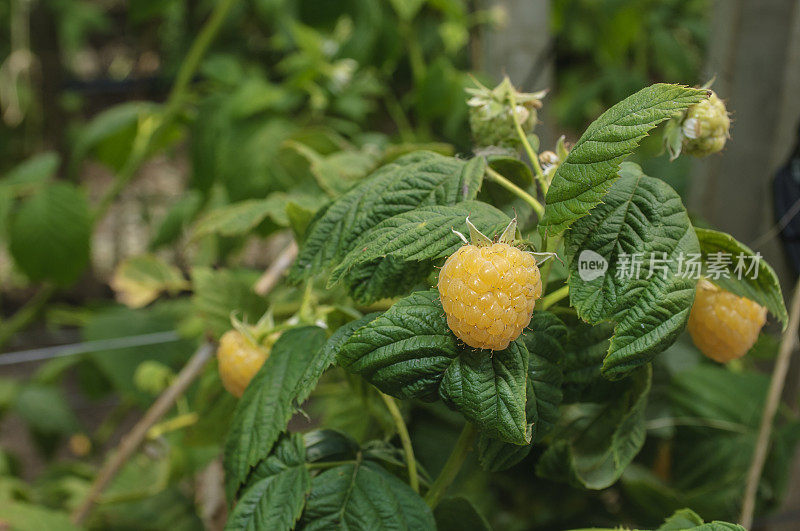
[
  {"x": 724, "y": 326},
  {"x": 239, "y": 360},
  {"x": 488, "y": 291}
]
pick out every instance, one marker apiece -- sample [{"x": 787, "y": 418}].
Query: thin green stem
[
  {"x": 537, "y": 168},
  {"x": 452, "y": 466},
  {"x": 149, "y": 132},
  {"x": 516, "y": 190},
  {"x": 552, "y": 298},
  {"x": 26, "y": 313},
  {"x": 405, "y": 440}
]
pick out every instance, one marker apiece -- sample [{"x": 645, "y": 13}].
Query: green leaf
[
  {"x": 688, "y": 520},
  {"x": 240, "y": 218},
  {"x": 36, "y": 170},
  {"x": 50, "y": 234},
  {"x": 543, "y": 337},
  {"x": 489, "y": 389},
  {"x": 276, "y": 492},
  {"x": 364, "y": 496},
  {"x": 594, "y": 443},
  {"x": 764, "y": 288},
  {"x": 45, "y": 409},
  {"x": 405, "y": 351},
  {"x": 512, "y": 169},
  {"x": 19, "y": 515},
  {"x": 584, "y": 178},
  {"x": 425, "y": 233},
  {"x": 584, "y": 350},
  {"x": 119, "y": 365},
  {"x": 414, "y": 180},
  {"x": 263, "y": 412},
  {"x": 641, "y": 215},
  {"x": 139, "y": 280},
  {"x": 337, "y": 172},
  {"x": 409, "y": 352},
  {"x": 217, "y": 293},
  {"x": 177, "y": 219},
  {"x": 458, "y": 514},
  {"x": 495, "y": 455}
]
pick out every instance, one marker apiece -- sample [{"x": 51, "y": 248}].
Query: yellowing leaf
[{"x": 139, "y": 280}]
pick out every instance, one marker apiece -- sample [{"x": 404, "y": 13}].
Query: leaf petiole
[
  {"x": 405, "y": 440},
  {"x": 453, "y": 465},
  {"x": 516, "y": 190}
]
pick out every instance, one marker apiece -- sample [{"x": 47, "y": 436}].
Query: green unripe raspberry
[
  {"x": 706, "y": 127},
  {"x": 491, "y": 114}
]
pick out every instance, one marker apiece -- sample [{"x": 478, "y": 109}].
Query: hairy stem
[
  {"x": 516, "y": 190},
  {"x": 788, "y": 344},
  {"x": 405, "y": 440},
  {"x": 452, "y": 466}
]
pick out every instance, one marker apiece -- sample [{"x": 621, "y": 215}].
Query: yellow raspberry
[
  {"x": 239, "y": 360},
  {"x": 488, "y": 291},
  {"x": 724, "y": 326}
]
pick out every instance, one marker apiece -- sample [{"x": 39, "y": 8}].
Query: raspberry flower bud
[
  {"x": 488, "y": 289},
  {"x": 492, "y": 113},
  {"x": 551, "y": 160}
]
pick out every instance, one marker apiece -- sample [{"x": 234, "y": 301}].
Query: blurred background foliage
[{"x": 294, "y": 101}]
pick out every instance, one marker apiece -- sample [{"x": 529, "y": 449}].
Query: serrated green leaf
[
  {"x": 764, "y": 288},
  {"x": 405, "y": 351},
  {"x": 139, "y": 280},
  {"x": 240, "y": 218},
  {"x": 584, "y": 178},
  {"x": 387, "y": 277},
  {"x": 269, "y": 402},
  {"x": 543, "y": 337},
  {"x": 50, "y": 234},
  {"x": 489, "y": 390},
  {"x": 337, "y": 172},
  {"x": 641, "y": 216},
  {"x": 584, "y": 350},
  {"x": 594, "y": 443},
  {"x": 363, "y": 496},
  {"x": 414, "y": 180},
  {"x": 276, "y": 493},
  {"x": 409, "y": 352},
  {"x": 425, "y": 233}
]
